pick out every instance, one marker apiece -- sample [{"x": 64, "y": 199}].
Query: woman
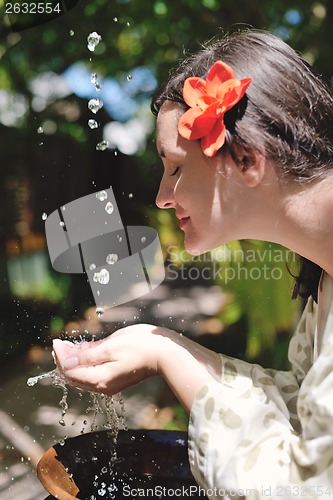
[{"x": 245, "y": 133}]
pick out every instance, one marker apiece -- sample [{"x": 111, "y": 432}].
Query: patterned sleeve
[{"x": 263, "y": 434}]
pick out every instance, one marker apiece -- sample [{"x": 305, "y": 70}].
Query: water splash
[
  {"x": 112, "y": 408},
  {"x": 44, "y": 216},
  {"x": 93, "y": 40},
  {"x": 95, "y": 105},
  {"x": 33, "y": 380}
]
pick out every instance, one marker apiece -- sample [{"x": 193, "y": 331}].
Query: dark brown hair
[{"x": 287, "y": 111}]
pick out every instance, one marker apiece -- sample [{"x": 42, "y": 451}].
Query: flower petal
[
  {"x": 215, "y": 139},
  {"x": 209, "y": 105},
  {"x": 194, "y": 124},
  {"x": 219, "y": 73},
  {"x": 234, "y": 93},
  {"x": 193, "y": 89}
]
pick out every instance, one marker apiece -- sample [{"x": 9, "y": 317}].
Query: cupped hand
[
  {"x": 135, "y": 353},
  {"x": 125, "y": 358}
]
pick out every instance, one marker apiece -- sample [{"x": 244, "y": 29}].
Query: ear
[
  {"x": 251, "y": 164},
  {"x": 252, "y": 168}
]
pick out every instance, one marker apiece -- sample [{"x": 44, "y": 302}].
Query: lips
[{"x": 183, "y": 221}]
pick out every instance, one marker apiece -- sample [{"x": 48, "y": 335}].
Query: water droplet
[
  {"x": 111, "y": 258},
  {"x": 62, "y": 422},
  {"x": 143, "y": 239},
  {"x": 130, "y": 195},
  {"x": 93, "y": 40},
  {"x": 109, "y": 208},
  {"x": 115, "y": 19},
  {"x": 94, "y": 78},
  {"x": 92, "y": 267},
  {"x": 62, "y": 224},
  {"x": 40, "y": 130},
  {"x": 71, "y": 33},
  {"x": 102, "y": 146},
  {"x": 44, "y": 216},
  {"x": 98, "y": 293},
  {"x": 95, "y": 81},
  {"x": 104, "y": 470},
  {"x": 102, "y": 195},
  {"x": 95, "y": 105},
  {"x": 129, "y": 78},
  {"x": 132, "y": 438},
  {"x": 102, "y": 277},
  {"x": 92, "y": 124}
]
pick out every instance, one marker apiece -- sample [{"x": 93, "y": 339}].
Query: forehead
[{"x": 167, "y": 136}]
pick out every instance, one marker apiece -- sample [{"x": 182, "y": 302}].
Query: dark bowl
[{"x": 143, "y": 463}]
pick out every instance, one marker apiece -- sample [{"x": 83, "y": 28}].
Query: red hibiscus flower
[{"x": 209, "y": 100}]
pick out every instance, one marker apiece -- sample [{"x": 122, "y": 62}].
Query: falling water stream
[{"x": 100, "y": 404}]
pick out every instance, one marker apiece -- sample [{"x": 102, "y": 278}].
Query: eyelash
[{"x": 175, "y": 171}]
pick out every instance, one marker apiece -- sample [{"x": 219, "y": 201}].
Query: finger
[
  {"x": 92, "y": 354},
  {"x": 86, "y": 377},
  {"x": 63, "y": 349}
]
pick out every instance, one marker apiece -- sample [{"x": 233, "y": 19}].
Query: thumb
[{"x": 63, "y": 349}]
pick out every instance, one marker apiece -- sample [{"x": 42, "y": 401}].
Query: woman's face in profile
[{"x": 204, "y": 192}]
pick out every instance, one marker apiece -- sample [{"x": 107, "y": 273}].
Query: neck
[{"x": 304, "y": 221}]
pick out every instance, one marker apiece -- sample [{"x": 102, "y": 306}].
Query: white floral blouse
[{"x": 262, "y": 433}]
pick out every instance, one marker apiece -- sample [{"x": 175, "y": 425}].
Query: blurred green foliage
[
  {"x": 257, "y": 275},
  {"x": 179, "y": 421}
]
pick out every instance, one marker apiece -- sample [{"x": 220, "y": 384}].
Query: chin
[{"x": 195, "y": 248}]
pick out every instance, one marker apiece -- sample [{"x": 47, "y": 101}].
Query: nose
[{"x": 165, "y": 197}]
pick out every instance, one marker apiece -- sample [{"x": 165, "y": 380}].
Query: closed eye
[{"x": 175, "y": 171}]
